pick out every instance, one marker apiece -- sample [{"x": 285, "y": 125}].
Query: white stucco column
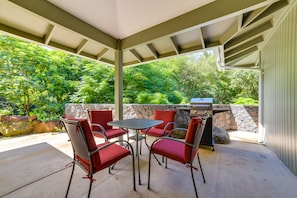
[
  {"x": 261, "y": 129},
  {"x": 118, "y": 83}
]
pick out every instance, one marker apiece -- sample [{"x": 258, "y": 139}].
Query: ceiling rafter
[
  {"x": 153, "y": 50},
  {"x": 81, "y": 46},
  {"x": 254, "y": 14},
  {"x": 248, "y": 35},
  {"x": 175, "y": 45},
  {"x": 21, "y": 34},
  {"x": 232, "y": 60},
  {"x": 195, "y": 18},
  {"x": 244, "y": 46},
  {"x": 247, "y": 24},
  {"x": 271, "y": 9},
  {"x": 202, "y": 37},
  {"x": 231, "y": 31},
  {"x": 56, "y": 15},
  {"x": 101, "y": 53},
  {"x": 49, "y": 34},
  {"x": 136, "y": 54}
]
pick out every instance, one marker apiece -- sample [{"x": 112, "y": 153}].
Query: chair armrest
[
  {"x": 176, "y": 129},
  {"x": 102, "y": 132},
  {"x": 172, "y": 139},
  {"x": 166, "y": 126}
]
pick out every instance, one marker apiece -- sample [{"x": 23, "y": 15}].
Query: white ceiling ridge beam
[
  {"x": 241, "y": 55},
  {"x": 81, "y": 46},
  {"x": 49, "y": 34},
  {"x": 153, "y": 50},
  {"x": 175, "y": 45},
  {"x": 54, "y": 14},
  {"x": 101, "y": 53},
  {"x": 244, "y": 46},
  {"x": 202, "y": 38},
  {"x": 194, "y": 19},
  {"x": 245, "y": 37},
  {"x": 137, "y": 56}
]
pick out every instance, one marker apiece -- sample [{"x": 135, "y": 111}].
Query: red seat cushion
[
  {"x": 171, "y": 149},
  {"x": 166, "y": 116},
  {"x": 179, "y": 151},
  {"x": 111, "y": 133},
  {"x": 111, "y": 154}
]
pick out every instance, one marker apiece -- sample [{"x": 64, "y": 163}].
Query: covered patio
[
  {"x": 35, "y": 166},
  {"x": 249, "y": 34}
]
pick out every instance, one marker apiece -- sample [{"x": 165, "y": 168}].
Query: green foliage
[
  {"x": 40, "y": 81},
  {"x": 246, "y": 101},
  {"x": 155, "y": 98}
]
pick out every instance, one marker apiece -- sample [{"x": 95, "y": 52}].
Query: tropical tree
[{"x": 39, "y": 80}]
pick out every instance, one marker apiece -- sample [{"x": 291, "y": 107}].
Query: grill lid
[{"x": 201, "y": 101}]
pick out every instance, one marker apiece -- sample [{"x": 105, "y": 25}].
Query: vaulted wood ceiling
[{"x": 147, "y": 30}]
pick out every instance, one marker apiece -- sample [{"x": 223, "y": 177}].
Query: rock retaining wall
[
  {"x": 228, "y": 117},
  {"x": 238, "y": 117}
]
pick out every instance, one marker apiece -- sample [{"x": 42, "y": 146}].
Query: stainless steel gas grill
[{"x": 200, "y": 106}]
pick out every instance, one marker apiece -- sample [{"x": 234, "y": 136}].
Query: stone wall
[{"x": 232, "y": 117}]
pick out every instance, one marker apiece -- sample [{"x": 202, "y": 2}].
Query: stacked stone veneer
[{"x": 236, "y": 117}]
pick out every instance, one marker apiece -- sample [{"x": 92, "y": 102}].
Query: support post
[{"x": 118, "y": 83}]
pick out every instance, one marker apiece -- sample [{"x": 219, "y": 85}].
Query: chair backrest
[
  {"x": 82, "y": 141},
  {"x": 193, "y": 136},
  {"x": 100, "y": 117},
  {"x": 166, "y": 116}
]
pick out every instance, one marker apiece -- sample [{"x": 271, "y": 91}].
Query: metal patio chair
[{"x": 90, "y": 157}]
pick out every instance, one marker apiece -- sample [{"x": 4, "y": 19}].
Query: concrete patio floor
[{"x": 35, "y": 166}]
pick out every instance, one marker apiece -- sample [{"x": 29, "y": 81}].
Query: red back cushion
[
  {"x": 192, "y": 128},
  {"x": 90, "y": 142},
  {"x": 100, "y": 117},
  {"x": 166, "y": 116}
]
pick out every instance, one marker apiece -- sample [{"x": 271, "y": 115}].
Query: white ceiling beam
[
  {"x": 202, "y": 38},
  {"x": 199, "y": 17},
  {"x": 101, "y": 53},
  {"x": 244, "y": 46},
  {"x": 58, "y": 16},
  {"x": 175, "y": 45},
  {"x": 21, "y": 34},
  {"x": 231, "y": 31},
  {"x": 137, "y": 56},
  {"x": 254, "y": 14},
  {"x": 81, "y": 46},
  {"x": 153, "y": 50},
  {"x": 248, "y": 35},
  {"x": 271, "y": 9},
  {"x": 49, "y": 34},
  {"x": 240, "y": 56}
]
